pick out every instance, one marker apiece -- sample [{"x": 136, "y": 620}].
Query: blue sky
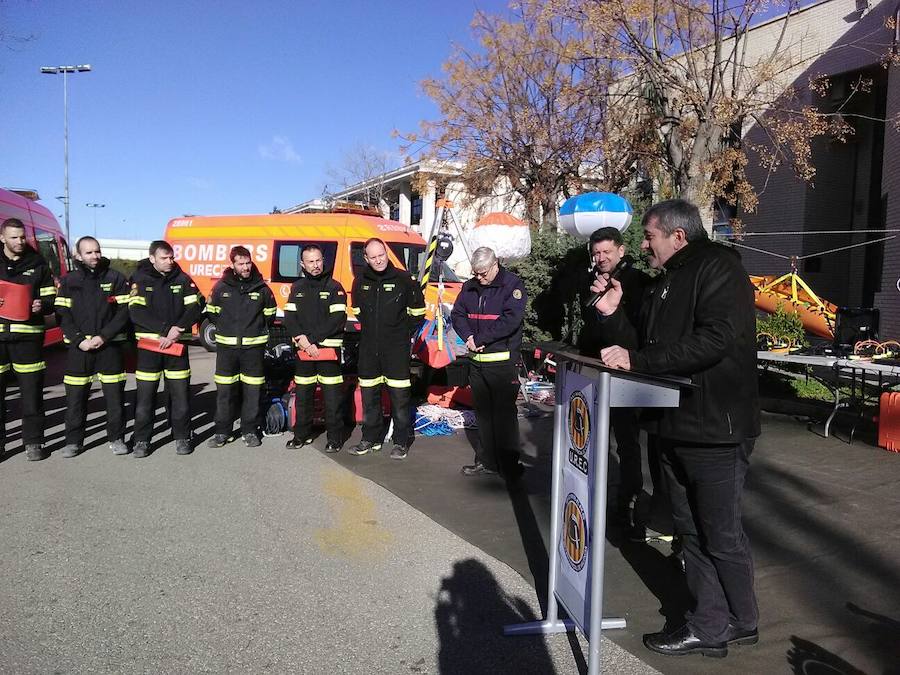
[{"x": 209, "y": 107}]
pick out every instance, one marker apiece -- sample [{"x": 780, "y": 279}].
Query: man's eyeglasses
[{"x": 483, "y": 275}]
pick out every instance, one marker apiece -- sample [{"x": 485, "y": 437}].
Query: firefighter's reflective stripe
[
  {"x": 258, "y": 380},
  {"x": 147, "y": 375},
  {"x": 354, "y": 310},
  {"x": 138, "y": 300},
  {"x": 77, "y": 381},
  {"x": 269, "y": 311},
  {"x": 111, "y": 378},
  {"x": 415, "y": 311},
  {"x": 490, "y": 357},
  {"x": 123, "y": 299},
  {"x": 234, "y": 341},
  {"x": 226, "y": 339},
  {"x": 226, "y": 379},
  {"x": 338, "y": 307},
  {"x": 290, "y": 307},
  {"x": 397, "y": 384},
  {"x": 177, "y": 374},
  {"x": 335, "y": 379},
  {"x": 255, "y": 340},
  {"x": 371, "y": 381},
  {"x": 62, "y": 302},
  {"x": 47, "y": 290},
  {"x": 25, "y": 328},
  {"x": 304, "y": 380},
  {"x": 332, "y": 342},
  {"x": 213, "y": 309},
  {"x": 4, "y": 368},
  {"x": 118, "y": 337},
  {"x": 189, "y": 299}
]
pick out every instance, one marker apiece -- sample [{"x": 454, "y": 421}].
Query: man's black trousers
[
  {"x": 24, "y": 358},
  {"x": 107, "y": 365},
  {"x": 494, "y": 391},
  {"x": 151, "y": 368},
  {"x": 307, "y": 375},
  {"x": 624, "y": 423},
  {"x": 705, "y": 485},
  {"x": 239, "y": 374},
  {"x": 390, "y": 369}
]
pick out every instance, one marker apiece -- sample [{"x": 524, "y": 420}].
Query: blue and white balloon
[{"x": 582, "y": 214}]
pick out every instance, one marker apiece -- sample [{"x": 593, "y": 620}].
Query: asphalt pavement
[{"x": 248, "y": 560}]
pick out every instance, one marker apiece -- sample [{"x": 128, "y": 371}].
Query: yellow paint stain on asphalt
[{"x": 354, "y": 531}]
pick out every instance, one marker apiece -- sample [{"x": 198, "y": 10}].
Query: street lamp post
[
  {"x": 65, "y": 70},
  {"x": 95, "y": 207}
]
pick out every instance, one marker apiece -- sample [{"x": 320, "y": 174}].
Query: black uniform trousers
[
  {"x": 108, "y": 366},
  {"x": 495, "y": 387},
  {"x": 151, "y": 368},
  {"x": 307, "y": 374},
  {"x": 392, "y": 370},
  {"x": 239, "y": 376},
  {"x": 24, "y": 358},
  {"x": 624, "y": 423},
  {"x": 705, "y": 484}
]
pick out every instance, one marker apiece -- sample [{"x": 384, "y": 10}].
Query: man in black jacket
[
  {"x": 92, "y": 305},
  {"x": 488, "y": 315},
  {"x": 242, "y": 308},
  {"x": 21, "y": 340},
  {"x": 607, "y": 248},
  {"x": 699, "y": 321},
  {"x": 390, "y": 307},
  {"x": 315, "y": 316},
  {"x": 164, "y": 306}
]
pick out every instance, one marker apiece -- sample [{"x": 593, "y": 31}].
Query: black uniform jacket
[
  {"x": 317, "y": 308},
  {"x": 93, "y": 302},
  {"x": 698, "y": 320},
  {"x": 492, "y": 316},
  {"x": 29, "y": 270},
  {"x": 160, "y": 301},
  {"x": 241, "y": 309},
  {"x": 390, "y": 308}
]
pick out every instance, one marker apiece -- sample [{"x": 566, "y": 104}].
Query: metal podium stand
[{"x": 575, "y": 424}]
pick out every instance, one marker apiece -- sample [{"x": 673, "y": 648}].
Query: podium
[{"x": 585, "y": 391}]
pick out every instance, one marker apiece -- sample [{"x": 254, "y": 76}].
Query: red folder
[
  {"x": 151, "y": 345},
  {"x": 16, "y": 301},
  {"x": 325, "y": 354}
]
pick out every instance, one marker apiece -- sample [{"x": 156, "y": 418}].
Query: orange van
[
  {"x": 202, "y": 245},
  {"x": 45, "y": 236}
]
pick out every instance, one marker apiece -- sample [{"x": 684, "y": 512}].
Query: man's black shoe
[
  {"x": 252, "y": 441},
  {"x": 332, "y": 448},
  {"x": 217, "y": 441},
  {"x": 742, "y": 637},
  {"x": 477, "y": 469},
  {"x": 682, "y": 642},
  {"x": 141, "y": 449},
  {"x": 296, "y": 443},
  {"x": 364, "y": 448},
  {"x": 399, "y": 451},
  {"x": 183, "y": 446},
  {"x": 35, "y": 452}
]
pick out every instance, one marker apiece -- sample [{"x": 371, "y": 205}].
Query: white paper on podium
[{"x": 573, "y": 547}]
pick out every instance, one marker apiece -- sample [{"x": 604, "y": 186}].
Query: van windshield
[{"x": 413, "y": 257}]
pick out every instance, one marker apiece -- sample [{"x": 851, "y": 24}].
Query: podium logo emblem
[
  {"x": 574, "y": 533},
  {"x": 579, "y": 422}
]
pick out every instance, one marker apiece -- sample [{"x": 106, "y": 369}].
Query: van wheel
[{"x": 208, "y": 335}]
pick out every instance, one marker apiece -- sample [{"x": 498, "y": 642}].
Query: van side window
[
  {"x": 287, "y": 258},
  {"x": 48, "y": 248},
  {"x": 357, "y": 258}
]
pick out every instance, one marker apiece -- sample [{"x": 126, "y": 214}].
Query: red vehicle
[{"x": 44, "y": 234}]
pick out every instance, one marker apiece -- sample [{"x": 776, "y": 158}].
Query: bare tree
[{"x": 365, "y": 166}]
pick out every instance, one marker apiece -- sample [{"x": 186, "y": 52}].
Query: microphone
[{"x": 626, "y": 262}]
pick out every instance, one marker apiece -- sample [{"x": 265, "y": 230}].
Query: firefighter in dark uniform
[
  {"x": 92, "y": 305},
  {"x": 488, "y": 315},
  {"x": 21, "y": 340},
  {"x": 315, "y": 315},
  {"x": 242, "y": 308},
  {"x": 390, "y": 307},
  {"x": 164, "y": 305}
]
